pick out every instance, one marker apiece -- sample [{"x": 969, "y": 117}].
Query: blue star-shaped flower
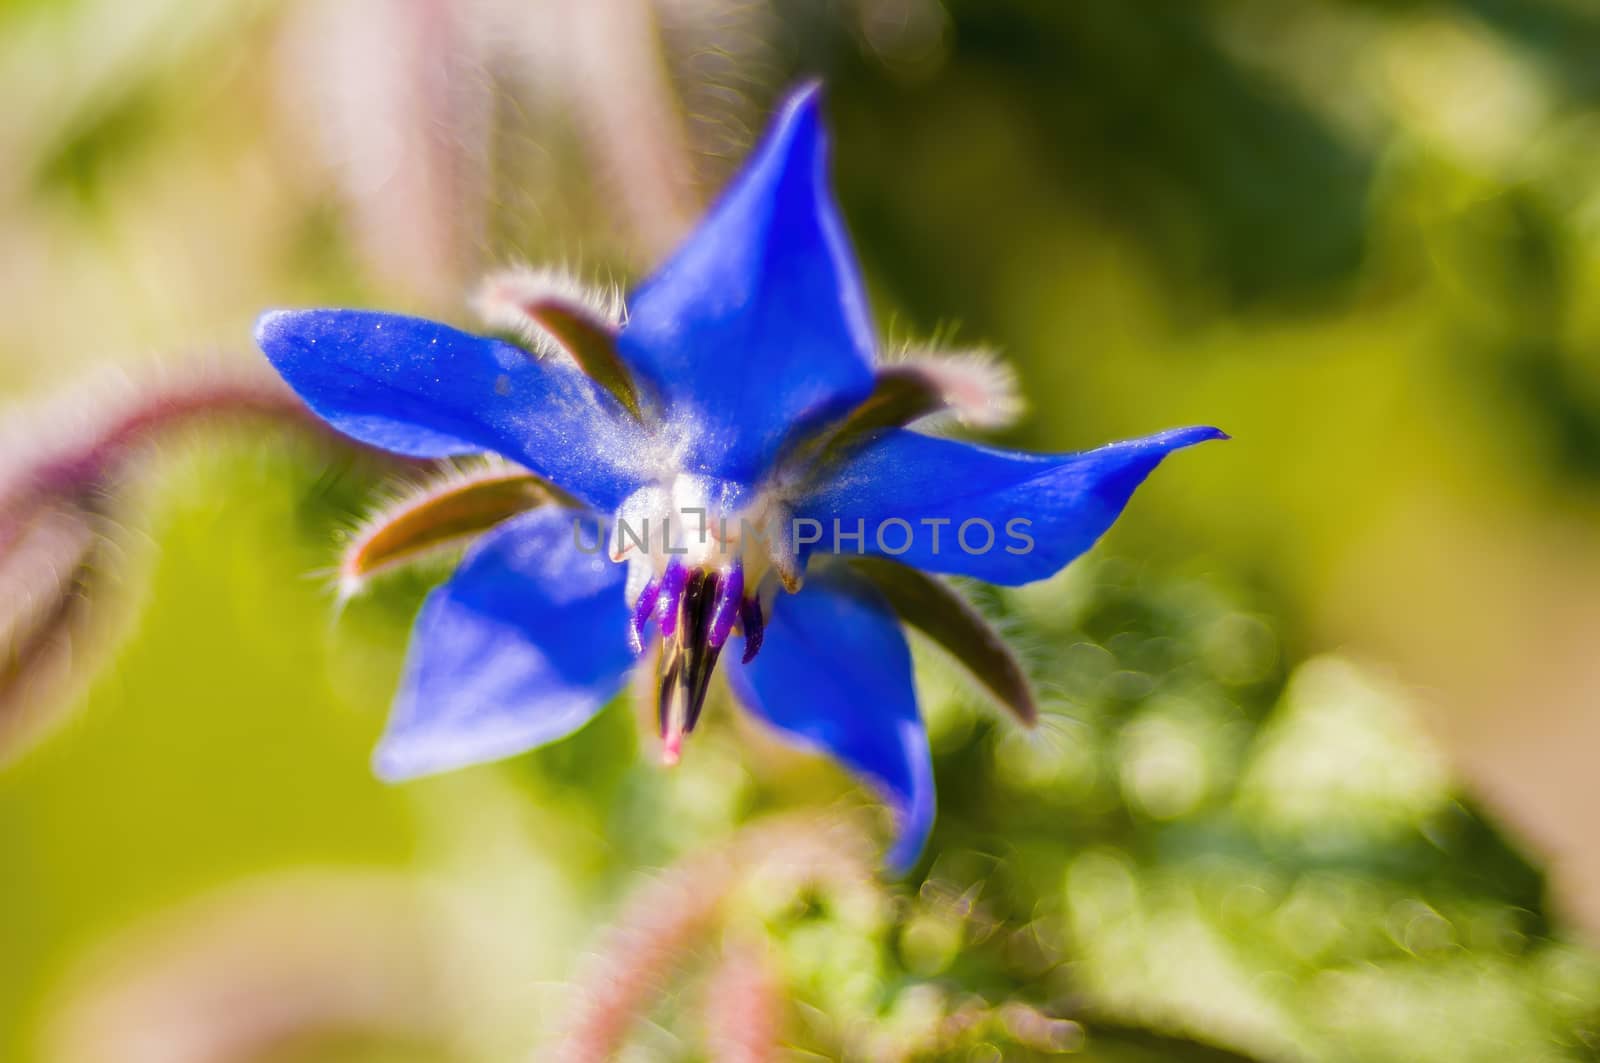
[{"x": 750, "y": 456}]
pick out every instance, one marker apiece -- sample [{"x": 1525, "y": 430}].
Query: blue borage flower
[{"x": 741, "y": 395}]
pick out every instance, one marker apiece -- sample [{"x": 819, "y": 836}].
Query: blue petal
[
  {"x": 426, "y": 390},
  {"x": 524, "y": 644},
  {"x": 1043, "y": 510},
  {"x": 834, "y": 672},
  {"x": 759, "y": 321}
]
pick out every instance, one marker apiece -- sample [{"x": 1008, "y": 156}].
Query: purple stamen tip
[
  {"x": 671, "y": 596},
  {"x": 643, "y": 609},
  {"x": 754, "y": 627},
  {"x": 730, "y": 601}
]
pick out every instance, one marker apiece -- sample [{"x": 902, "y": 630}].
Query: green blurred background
[{"x": 1314, "y": 779}]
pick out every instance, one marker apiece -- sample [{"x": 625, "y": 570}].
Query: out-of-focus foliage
[{"x": 1360, "y": 236}]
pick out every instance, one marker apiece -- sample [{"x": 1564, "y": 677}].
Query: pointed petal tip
[
  {"x": 797, "y": 122},
  {"x": 902, "y": 857},
  {"x": 403, "y": 758},
  {"x": 281, "y": 333},
  {"x": 913, "y": 827},
  {"x": 270, "y": 327},
  {"x": 392, "y": 766},
  {"x": 279, "y": 325},
  {"x": 899, "y": 865},
  {"x": 805, "y": 96},
  {"x": 1164, "y": 443},
  {"x": 1200, "y": 433}
]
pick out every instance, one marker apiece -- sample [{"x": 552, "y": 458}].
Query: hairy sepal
[
  {"x": 556, "y": 316},
  {"x": 440, "y": 515},
  {"x": 933, "y": 607}
]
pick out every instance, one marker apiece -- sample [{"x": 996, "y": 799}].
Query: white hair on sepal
[
  {"x": 359, "y": 565},
  {"x": 501, "y": 302},
  {"x": 978, "y": 387}
]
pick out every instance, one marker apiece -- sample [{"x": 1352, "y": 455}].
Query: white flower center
[
  {"x": 699, "y": 523},
  {"x": 699, "y": 553}
]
